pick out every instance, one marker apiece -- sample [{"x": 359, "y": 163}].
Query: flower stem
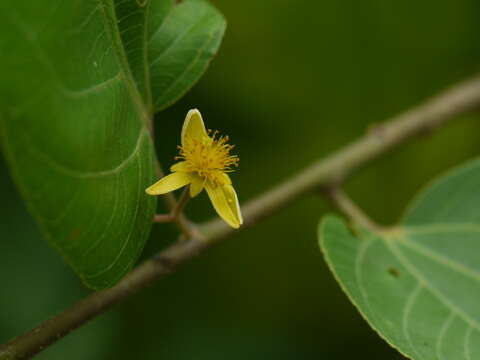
[
  {"x": 181, "y": 203},
  {"x": 186, "y": 227}
]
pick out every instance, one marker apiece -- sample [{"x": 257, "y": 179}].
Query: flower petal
[
  {"x": 193, "y": 126},
  {"x": 222, "y": 178},
  {"x": 196, "y": 186},
  {"x": 232, "y": 200},
  {"x": 224, "y": 200},
  {"x": 180, "y": 166},
  {"x": 169, "y": 183}
]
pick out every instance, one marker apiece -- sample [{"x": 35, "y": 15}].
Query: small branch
[
  {"x": 163, "y": 218},
  {"x": 188, "y": 229},
  {"x": 420, "y": 120},
  {"x": 343, "y": 203},
  {"x": 168, "y": 199},
  {"x": 176, "y": 211},
  {"x": 185, "y": 226}
]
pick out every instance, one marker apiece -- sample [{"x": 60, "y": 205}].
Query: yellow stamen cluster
[{"x": 209, "y": 157}]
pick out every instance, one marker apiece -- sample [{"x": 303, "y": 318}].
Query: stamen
[{"x": 209, "y": 157}]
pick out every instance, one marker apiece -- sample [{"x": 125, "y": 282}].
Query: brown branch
[{"x": 422, "y": 119}]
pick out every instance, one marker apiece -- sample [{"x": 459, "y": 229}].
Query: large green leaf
[
  {"x": 183, "y": 38},
  {"x": 74, "y": 129},
  {"x": 418, "y": 284},
  {"x": 75, "y": 112}
]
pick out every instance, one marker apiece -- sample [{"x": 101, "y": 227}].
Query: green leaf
[
  {"x": 183, "y": 39},
  {"x": 132, "y": 22},
  {"x": 418, "y": 284},
  {"x": 74, "y": 130}
]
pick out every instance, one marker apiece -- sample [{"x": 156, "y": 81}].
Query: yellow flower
[{"x": 206, "y": 160}]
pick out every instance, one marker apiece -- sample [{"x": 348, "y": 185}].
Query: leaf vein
[
  {"x": 407, "y": 311},
  {"x": 440, "y": 259},
  {"x": 443, "y": 330},
  {"x": 192, "y": 63},
  {"x": 466, "y": 343},
  {"x": 177, "y": 40},
  {"x": 413, "y": 271},
  {"x": 92, "y": 174}
]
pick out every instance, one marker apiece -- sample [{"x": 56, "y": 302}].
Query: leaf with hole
[{"x": 418, "y": 284}]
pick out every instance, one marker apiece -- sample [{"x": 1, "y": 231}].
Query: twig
[
  {"x": 175, "y": 211},
  {"x": 175, "y": 207},
  {"x": 162, "y": 218},
  {"x": 350, "y": 209},
  {"x": 454, "y": 102},
  {"x": 187, "y": 228}
]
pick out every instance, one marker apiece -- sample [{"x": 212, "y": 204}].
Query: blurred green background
[{"x": 294, "y": 80}]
